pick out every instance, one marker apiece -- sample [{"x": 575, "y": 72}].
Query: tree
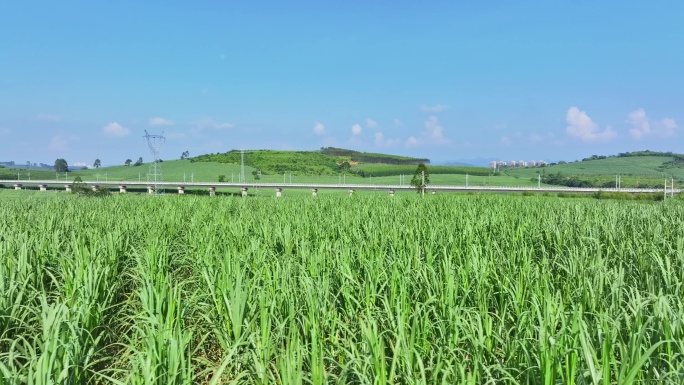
[
  {"x": 128, "y": 162},
  {"x": 221, "y": 178},
  {"x": 61, "y": 165},
  {"x": 185, "y": 154},
  {"x": 421, "y": 178},
  {"x": 97, "y": 163},
  {"x": 138, "y": 162},
  {"x": 256, "y": 175}
]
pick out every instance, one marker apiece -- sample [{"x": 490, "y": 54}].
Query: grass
[{"x": 457, "y": 289}]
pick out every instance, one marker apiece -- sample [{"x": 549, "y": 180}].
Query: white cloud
[
  {"x": 160, "y": 122},
  {"x": 534, "y": 138},
  {"x": 58, "y": 143},
  {"x": 412, "y": 141},
  {"x": 639, "y": 122},
  {"x": 669, "y": 125},
  {"x": 319, "y": 128},
  {"x": 434, "y": 109},
  {"x": 115, "y": 130},
  {"x": 370, "y": 123},
  {"x": 48, "y": 118},
  {"x": 397, "y": 122},
  {"x": 356, "y": 129},
  {"x": 581, "y": 126},
  {"x": 506, "y": 140},
  {"x": 210, "y": 123}
]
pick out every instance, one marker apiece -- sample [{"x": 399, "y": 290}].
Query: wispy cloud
[
  {"x": 318, "y": 128},
  {"x": 432, "y": 134},
  {"x": 669, "y": 125},
  {"x": 176, "y": 135},
  {"x": 48, "y": 118},
  {"x": 212, "y": 124},
  {"x": 397, "y": 122},
  {"x": 58, "y": 143},
  {"x": 434, "y": 130},
  {"x": 115, "y": 130},
  {"x": 437, "y": 108},
  {"x": 534, "y": 138},
  {"x": 159, "y": 121},
  {"x": 639, "y": 122},
  {"x": 412, "y": 141},
  {"x": 370, "y": 123},
  {"x": 582, "y": 127},
  {"x": 356, "y": 129},
  {"x": 381, "y": 141}
]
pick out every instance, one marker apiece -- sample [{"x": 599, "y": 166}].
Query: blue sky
[{"x": 446, "y": 80}]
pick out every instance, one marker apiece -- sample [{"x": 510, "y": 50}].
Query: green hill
[
  {"x": 175, "y": 170},
  {"x": 636, "y": 169},
  {"x": 334, "y": 161}
]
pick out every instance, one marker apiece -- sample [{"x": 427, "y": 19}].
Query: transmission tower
[{"x": 154, "y": 175}]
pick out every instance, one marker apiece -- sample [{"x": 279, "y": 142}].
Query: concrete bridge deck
[{"x": 314, "y": 187}]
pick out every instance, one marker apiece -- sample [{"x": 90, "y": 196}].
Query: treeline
[
  {"x": 370, "y": 157},
  {"x": 635, "y": 154},
  {"x": 647, "y": 153},
  {"x": 558, "y": 179},
  {"x": 392, "y": 170}
]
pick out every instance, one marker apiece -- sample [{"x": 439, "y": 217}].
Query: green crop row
[{"x": 447, "y": 289}]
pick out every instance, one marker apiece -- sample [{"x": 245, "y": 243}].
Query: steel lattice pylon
[{"x": 154, "y": 175}]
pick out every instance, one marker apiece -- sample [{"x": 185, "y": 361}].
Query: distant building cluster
[{"x": 517, "y": 163}]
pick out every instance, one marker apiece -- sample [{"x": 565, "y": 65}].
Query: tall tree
[
  {"x": 97, "y": 163},
  {"x": 138, "y": 162},
  {"x": 128, "y": 162},
  {"x": 185, "y": 154},
  {"x": 61, "y": 165},
  {"x": 421, "y": 178}
]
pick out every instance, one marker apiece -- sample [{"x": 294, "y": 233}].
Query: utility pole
[
  {"x": 538, "y": 181},
  {"x": 466, "y": 180},
  {"x": 242, "y": 166},
  {"x": 422, "y": 189}
]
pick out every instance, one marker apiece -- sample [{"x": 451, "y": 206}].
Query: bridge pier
[
  {"x": 391, "y": 192},
  {"x": 42, "y": 187},
  {"x": 314, "y": 192},
  {"x": 95, "y": 188},
  {"x": 351, "y": 191},
  {"x": 122, "y": 189},
  {"x": 212, "y": 191},
  {"x": 17, "y": 186},
  {"x": 279, "y": 192},
  {"x": 434, "y": 192},
  {"x": 150, "y": 190},
  {"x": 181, "y": 190},
  {"x": 67, "y": 187},
  {"x": 244, "y": 191}
]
